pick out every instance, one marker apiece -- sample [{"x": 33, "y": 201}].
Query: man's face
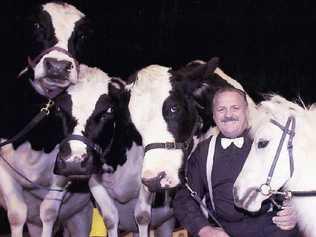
[{"x": 230, "y": 113}]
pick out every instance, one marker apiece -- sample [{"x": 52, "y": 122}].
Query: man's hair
[{"x": 230, "y": 89}]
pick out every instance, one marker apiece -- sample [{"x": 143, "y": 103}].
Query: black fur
[
  {"x": 125, "y": 131},
  {"x": 25, "y": 105}
]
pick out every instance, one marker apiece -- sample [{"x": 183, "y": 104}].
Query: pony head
[{"x": 269, "y": 124}]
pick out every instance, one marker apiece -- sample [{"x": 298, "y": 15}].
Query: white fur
[
  {"x": 255, "y": 170},
  {"x": 92, "y": 84},
  {"x": 148, "y": 94}
]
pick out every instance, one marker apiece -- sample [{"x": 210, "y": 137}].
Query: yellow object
[{"x": 98, "y": 228}]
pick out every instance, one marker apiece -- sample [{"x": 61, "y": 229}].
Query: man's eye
[{"x": 262, "y": 144}]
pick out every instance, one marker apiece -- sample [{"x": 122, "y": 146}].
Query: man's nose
[{"x": 228, "y": 113}]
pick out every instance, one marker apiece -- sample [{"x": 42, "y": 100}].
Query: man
[{"x": 211, "y": 172}]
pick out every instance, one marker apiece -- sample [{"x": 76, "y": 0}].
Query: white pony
[{"x": 278, "y": 119}]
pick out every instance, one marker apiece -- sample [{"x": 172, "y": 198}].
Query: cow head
[
  {"x": 168, "y": 108},
  {"x": 56, "y": 35},
  {"x": 87, "y": 111}
]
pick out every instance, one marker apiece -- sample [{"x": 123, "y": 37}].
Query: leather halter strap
[
  {"x": 265, "y": 188},
  {"x": 95, "y": 147},
  {"x": 167, "y": 145},
  {"x": 286, "y": 131},
  {"x": 175, "y": 145}
]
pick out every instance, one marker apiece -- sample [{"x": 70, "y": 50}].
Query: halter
[
  {"x": 154, "y": 183},
  {"x": 265, "y": 188},
  {"x": 32, "y": 63},
  {"x": 176, "y": 145},
  {"x": 95, "y": 147}
]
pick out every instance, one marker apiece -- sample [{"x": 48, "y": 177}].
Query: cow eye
[
  {"x": 109, "y": 110},
  {"x": 37, "y": 26},
  {"x": 173, "y": 109},
  {"x": 262, "y": 144},
  {"x": 82, "y": 36}
]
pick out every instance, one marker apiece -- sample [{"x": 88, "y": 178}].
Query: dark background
[{"x": 268, "y": 46}]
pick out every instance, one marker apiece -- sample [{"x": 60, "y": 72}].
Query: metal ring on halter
[{"x": 265, "y": 189}]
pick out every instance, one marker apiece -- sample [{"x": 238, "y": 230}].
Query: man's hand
[
  {"x": 209, "y": 231},
  {"x": 285, "y": 219}
]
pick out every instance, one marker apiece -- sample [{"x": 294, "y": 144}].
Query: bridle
[
  {"x": 265, "y": 189},
  {"x": 176, "y": 145},
  {"x": 32, "y": 62},
  {"x": 92, "y": 145},
  {"x": 154, "y": 183}
]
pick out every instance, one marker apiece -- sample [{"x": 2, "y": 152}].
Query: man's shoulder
[
  {"x": 201, "y": 149},
  {"x": 205, "y": 143}
]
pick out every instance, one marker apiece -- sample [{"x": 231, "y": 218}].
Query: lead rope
[{"x": 44, "y": 111}]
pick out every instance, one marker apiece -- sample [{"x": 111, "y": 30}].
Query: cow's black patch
[
  {"x": 39, "y": 32},
  {"x": 125, "y": 132},
  {"x": 16, "y": 115},
  {"x": 81, "y": 43}
]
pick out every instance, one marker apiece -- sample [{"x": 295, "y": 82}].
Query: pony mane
[{"x": 277, "y": 107}]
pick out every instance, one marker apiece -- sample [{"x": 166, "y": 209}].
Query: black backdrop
[
  {"x": 269, "y": 46},
  {"x": 266, "y": 45}
]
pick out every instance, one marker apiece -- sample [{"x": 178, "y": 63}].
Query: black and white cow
[
  {"x": 88, "y": 112},
  {"x": 84, "y": 108},
  {"x": 189, "y": 94},
  {"x": 161, "y": 113},
  {"x": 57, "y": 38},
  {"x": 54, "y": 45}
]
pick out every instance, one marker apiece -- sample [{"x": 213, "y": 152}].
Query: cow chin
[
  {"x": 161, "y": 180},
  {"x": 75, "y": 166},
  {"x": 50, "y": 87}
]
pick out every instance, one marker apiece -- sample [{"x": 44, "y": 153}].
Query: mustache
[{"x": 229, "y": 119}]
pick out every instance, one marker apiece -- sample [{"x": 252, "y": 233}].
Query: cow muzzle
[
  {"x": 154, "y": 184},
  {"x": 74, "y": 166},
  {"x": 53, "y": 73}
]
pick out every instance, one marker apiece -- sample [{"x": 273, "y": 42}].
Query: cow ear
[
  {"x": 212, "y": 64},
  {"x": 116, "y": 87}
]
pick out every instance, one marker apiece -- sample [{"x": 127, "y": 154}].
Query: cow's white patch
[
  {"x": 92, "y": 84},
  {"x": 148, "y": 94}
]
